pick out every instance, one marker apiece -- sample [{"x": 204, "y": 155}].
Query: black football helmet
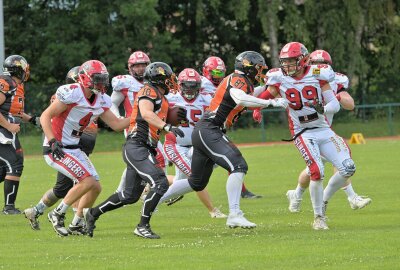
[
  {"x": 160, "y": 74},
  {"x": 17, "y": 66},
  {"x": 72, "y": 75},
  {"x": 252, "y": 64}
]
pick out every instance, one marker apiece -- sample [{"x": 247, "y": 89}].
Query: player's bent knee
[
  {"x": 241, "y": 167},
  {"x": 348, "y": 169},
  {"x": 161, "y": 186},
  {"x": 197, "y": 186}
]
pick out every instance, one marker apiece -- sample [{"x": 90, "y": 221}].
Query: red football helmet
[
  {"x": 93, "y": 74},
  {"x": 137, "y": 63},
  {"x": 293, "y": 54},
  {"x": 189, "y": 83},
  {"x": 320, "y": 57},
  {"x": 214, "y": 69}
]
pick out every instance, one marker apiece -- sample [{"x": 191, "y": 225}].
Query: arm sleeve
[
  {"x": 242, "y": 99},
  {"x": 258, "y": 90},
  {"x": 116, "y": 100},
  {"x": 332, "y": 104}
]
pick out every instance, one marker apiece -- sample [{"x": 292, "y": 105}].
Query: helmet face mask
[
  {"x": 17, "y": 66},
  {"x": 293, "y": 58},
  {"x": 189, "y": 83},
  {"x": 214, "y": 70},
  {"x": 137, "y": 63},
  {"x": 93, "y": 75}
]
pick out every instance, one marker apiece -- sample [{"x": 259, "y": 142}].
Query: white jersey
[
  {"x": 207, "y": 87},
  {"x": 195, "y": 110},
  {"x": 69, "y": 125},
  {"x": 128, "y": 86},
  {"x": 340, "y": 83},
  {"x": 301, "y": 91}
]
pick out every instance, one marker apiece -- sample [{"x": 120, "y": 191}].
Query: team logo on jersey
[
  {"x": 161, "y": 71},
  {"x": 316, "y": 71}
]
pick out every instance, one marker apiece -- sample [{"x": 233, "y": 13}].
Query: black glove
[
  {"x": 175, "y": 130},
  {"x": 56, "y": 149},
  {"x": 35, "y": 120},
  {"x": 317, "y": 105},
  {"x": 182, "y": 115}
]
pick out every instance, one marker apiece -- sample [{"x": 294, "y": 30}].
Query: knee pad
[
  {"x": 161, "y": 186},
  {"x": 197, "y": 185},
  {"x": 348, "y": 169},
  {"x": 241, "y": 167}
]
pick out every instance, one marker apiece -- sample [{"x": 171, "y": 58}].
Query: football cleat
[
  {"x": 294, "y": 202},
  {"x": 11, "y": 210},
  {"x": 79, "y": 229},
  {"x": 250, "y": 195},
  {"x": 57, "y": 220},
  {"x": 359, "y": 202},
  {"x": 238, "y": 220},
  {"x": 320, "y": 223},
  {"x": 145, "y": 232},
  {"x": 90, "y": 221},
  {"x": 216, "y": 213},
  {"x": 174, "y": 200},
  {"x": 32, "y": 215}
]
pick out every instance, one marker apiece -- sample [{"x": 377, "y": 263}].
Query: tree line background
[{"x": 362, "y": 36}]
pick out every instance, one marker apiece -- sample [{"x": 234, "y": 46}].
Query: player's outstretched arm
[{"x": 113, "y": 121}]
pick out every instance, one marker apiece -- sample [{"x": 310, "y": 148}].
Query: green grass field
[{"x": 362, "y": 239}]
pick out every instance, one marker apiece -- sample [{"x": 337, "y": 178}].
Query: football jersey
[
  {"x": 195, "y": 110},
  {"x": 223, "y": 110},
  {"x": 128, "y": 86},
  {"x": 300, "y": 91},
  {"x": 207, "y": 87},
  {"x": 69, "y": 125},
  {"x": 13, "y": 106},
  {"x": 140, "y": 128},
  {"x": 339, "y": 84}
]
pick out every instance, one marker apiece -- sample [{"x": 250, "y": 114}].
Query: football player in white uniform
[
  {"x": 213, "y": 73},
  {"x": 339, "y": 87},
  {"x": 304, "y": 86},
  {"x": 75, "y": 107},
  {"x": 179, "y": 150}
]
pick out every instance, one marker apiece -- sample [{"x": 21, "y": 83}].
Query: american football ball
[{"x": 173, "y": 117}]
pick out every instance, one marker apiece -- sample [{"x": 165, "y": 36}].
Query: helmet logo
[
  {"x": 161, "y": 71},
  {"x": 246, "y": 63},
  {"x": 21, "y": 63}
]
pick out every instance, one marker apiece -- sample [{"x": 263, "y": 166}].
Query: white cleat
[
  {"x": 294, "y": 202},
  {"x": 320, "y": 223},
  {"x": 216, "y": 213},
  {"x": 359, "y": 202},
  {"x": 238, "y": 220}
]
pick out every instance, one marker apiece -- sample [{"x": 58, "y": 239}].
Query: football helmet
[
  {"x": 252, "y": 65},
  {"x": 137, "y": 63},
  {"x": 17, "y": 66},
  {"x": 160, "y": 74},
  {"x": 293, "y": 54},
  {"x": 320, "y": 57},
  {"x": 189, "y": 81},
  {"x": 214, "y": 69},
  {"x": 72, "y": 75},
  {"x": 93, "y": 74}
]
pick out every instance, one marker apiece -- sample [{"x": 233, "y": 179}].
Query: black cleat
[
  {"x": 145, "y": 232},
  {"x": 11, "y": 210},
  {"x": 250, "y": 195},
  {"x": 90, "y": 221},
  {"x": 77, "y": 229},
  {"x": 57, "y": 220},
  {"x": 174, "y": 200}
]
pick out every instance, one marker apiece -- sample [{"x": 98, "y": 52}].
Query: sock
[
  {"x": 299, "y": 191},
  {"x": 62, "y": 207},
  {"x": 349, "y": 192},
  {"x": 233, "y": 189},
  {"x": 41, "y": 206},
  {"x": 337, "y": 181},
  {"x": 317, "y": 194},
  {"x": 76, "y": 220},
  {"x": 10, "y": 191},
  {"x": 149, "y": 204},
  {"x": 243, "y": 188},
  {"x": 178, "y": 188},
  {"x": 113, "y": 202}
]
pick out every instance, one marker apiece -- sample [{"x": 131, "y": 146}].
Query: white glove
[{"x": 277, "y": 102}]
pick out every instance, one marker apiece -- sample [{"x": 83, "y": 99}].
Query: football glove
[
  {"x": 176, "y": 131},
  {"x": 317, "y": 105},
  {"x": 56, "y": 149}
]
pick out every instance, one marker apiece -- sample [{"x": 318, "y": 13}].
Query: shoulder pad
[
  {"x": 121, "y": 82},
  {"x": 7, "y": 84},
  {"x": 342, "y": 80},
  {"x": 274, "y": 76},
  {"x": 148, "y": 92},
  {"x": 69, "y": 93},
  {"x": 323, "y": 72}
]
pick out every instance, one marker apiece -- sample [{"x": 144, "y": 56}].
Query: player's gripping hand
[
  {"x": 56, "y": 149},
  {"x": 257, "y": 115},
  {"x": 176, "y": 131},
  {"x": 35, "y": 120},
  {"x": 317, "y": 105},
  {"x": 182, "y": 115}
]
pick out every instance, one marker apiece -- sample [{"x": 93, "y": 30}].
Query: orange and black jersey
[
  {"x": 15, "y": 96},
  {"x": 223, "y": 109},
  {"x": 138, "y": 127}
]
